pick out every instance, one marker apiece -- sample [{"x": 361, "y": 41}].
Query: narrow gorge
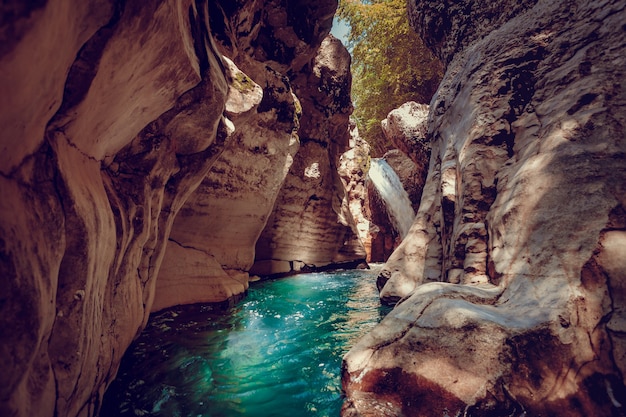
[{"x": 161, "y": 153}]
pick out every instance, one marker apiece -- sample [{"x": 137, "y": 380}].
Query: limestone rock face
[
  {"x": 353, "y": 167},
  {"x": 100, "y": 148},
  {"x": 282, "y": 35},
  {"x": 113, "y": 113},
  {"x": 407, "y": 128},
  {"x": 521, "y": 222},
  {"x": 311, "y": 224},
  {"x": 211, "y": 247}
]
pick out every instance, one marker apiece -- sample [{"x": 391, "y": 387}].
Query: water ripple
[{"x": 277, "y": 353}]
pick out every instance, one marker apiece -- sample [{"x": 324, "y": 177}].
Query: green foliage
[
  {"x": 390, "y": 64},
  {"x": 242, "y": 82}
]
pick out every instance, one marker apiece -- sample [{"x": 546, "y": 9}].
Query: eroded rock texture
[
  {"x": 112, "y": 114},
  {"x": 522, "y": 221},
  {"x": 311, "y": 225},
  {"x": 407, "y": 128},
  {"x": 214, "y": 239},
  {"x": 100, "y": 149},
  {"x": 353, "y": 167},
  {"x": 211, "y": 247}
]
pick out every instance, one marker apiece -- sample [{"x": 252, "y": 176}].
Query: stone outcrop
[
  {"x": 113, "y": 113},
  {"x": 311, "y": 226},
  {"x": 521, "y": 223},
  {"x": 211, "y": 247},
  {"x": 100, "y": 149},
  {"x": 353, "y": 167},
  {"x": 407, "y": 128}
]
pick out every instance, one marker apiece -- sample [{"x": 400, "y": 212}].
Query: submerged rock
[{"x": 521, "y": 224}]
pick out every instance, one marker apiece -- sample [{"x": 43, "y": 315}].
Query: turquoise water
[{"x": 276, "y": 353}]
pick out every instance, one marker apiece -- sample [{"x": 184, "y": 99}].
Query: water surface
[{"x": 276, "y": 353}]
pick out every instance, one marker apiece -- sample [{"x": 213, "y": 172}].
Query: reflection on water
[{"x": 277, "y": 353}]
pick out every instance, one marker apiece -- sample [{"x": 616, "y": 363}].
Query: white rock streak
[{"x": 394, "y": 195}]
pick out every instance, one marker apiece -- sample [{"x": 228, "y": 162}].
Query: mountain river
[{"x": 275, "y": 353}]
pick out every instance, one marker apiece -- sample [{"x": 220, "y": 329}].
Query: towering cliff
[
  {"x": 522, "y": 223},
  {"x": 116, "y": 116},
  {"x": 311, "y": 225}
]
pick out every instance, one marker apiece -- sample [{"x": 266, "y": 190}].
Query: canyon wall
[
  {"x": 116, "y": 116},
  {"x": 510, "y": 284},
  {"x": 311, "y": 226}
]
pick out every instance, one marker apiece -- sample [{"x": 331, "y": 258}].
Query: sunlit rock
[
  {"x": 407, "y": 128},
  {"x": 214, "y": 235},
  {"x": 353, "y": 167},
  {"x": 311, "y": 224},
  {"x": 521, "y": 219},
  {"x": 94, "y": 172}
]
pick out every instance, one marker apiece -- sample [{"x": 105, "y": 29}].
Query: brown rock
[
  {"x": 214, "y": 235},
  {"x": 112, "y": 114},
  {"x": 353, "y": 167},
  {"x": 521, "y": 218},
  {"x": 311, "y": 224},
  {"x": 90, "y": 194}
]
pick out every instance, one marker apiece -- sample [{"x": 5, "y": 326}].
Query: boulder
[
  {"x": 520, "y": 224},
  {"x": 407, "y": 128}
]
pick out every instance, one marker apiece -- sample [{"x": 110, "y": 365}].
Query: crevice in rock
[{"x": 170, "y": 239}]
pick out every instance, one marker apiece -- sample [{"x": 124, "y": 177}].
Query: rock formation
[
  {"x": 521, "y": 224},
  {"x": 353, "y": 167},
  {"x": 211, "y": 247},
  {"x": 406, "y": 127},
  {"x": 113, "y": 113},
  {"x": 311, "y": 226}
]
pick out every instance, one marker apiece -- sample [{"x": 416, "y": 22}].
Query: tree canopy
[{"x": 390, "y": 64}]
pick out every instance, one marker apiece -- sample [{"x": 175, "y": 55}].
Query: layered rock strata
[
  {"x": 211, "y": 247},
  {"x": 311, "y": 226},
  {"x": 521, "y": 223},
  {"x": 100, "y": 148},
  {"x": 113, "y": 113}
]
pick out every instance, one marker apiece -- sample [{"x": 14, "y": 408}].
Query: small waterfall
[{"x": 393, "y": 194}]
